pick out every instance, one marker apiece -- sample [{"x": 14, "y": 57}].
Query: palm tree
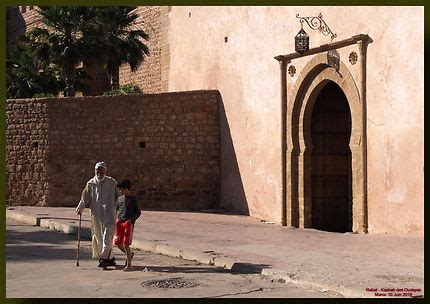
[
  {"x": 66, "y": 41},
  {"x": 122, "y": 41},
  {"x": 25, "y": 78}
]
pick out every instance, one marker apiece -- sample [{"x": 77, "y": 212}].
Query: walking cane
[{"x": 79, "y": 239}]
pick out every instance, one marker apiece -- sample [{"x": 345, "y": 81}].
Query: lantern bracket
[{"x": 317, "y": 23}]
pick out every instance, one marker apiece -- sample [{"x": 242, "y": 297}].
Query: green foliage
[
  {"x": 26, "y": 77},
  {"x": 123, "y": 90},
  {"x": 66, "y": 42},
  {"x": 121, "y": 39},
  {"x": 43, "y": 95},
  {"x": 105, "y": 35}
]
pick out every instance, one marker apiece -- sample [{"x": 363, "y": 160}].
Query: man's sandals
[{"x": 107, "y": 262}]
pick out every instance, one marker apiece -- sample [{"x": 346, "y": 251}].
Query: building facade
[
  {"x": 306, "y": 142},
  {"x": 235, "y": 54}
]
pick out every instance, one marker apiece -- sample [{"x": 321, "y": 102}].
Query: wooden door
[{"x": 331, "y": 161}]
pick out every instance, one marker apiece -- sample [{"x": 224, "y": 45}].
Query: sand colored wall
[
  {"x": 396, "y": 123},
  {"x": 232, "y": 48},
  {"x": 152, "y": 75}
]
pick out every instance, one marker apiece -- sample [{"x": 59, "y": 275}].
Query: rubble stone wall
[
  {"x": 166, "y": 144},
  {"x": 27, "y": 152},
  {"x": 152, "y": 75}
]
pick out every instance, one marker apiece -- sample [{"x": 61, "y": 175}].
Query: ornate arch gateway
[{"x": 311, "y": 184}]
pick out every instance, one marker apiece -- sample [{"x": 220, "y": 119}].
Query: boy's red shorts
[{"x": 123, "y": 233}]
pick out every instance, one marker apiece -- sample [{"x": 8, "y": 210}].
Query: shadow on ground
[
  {"x": 240, "y": 268},
  {"x": 49, "y": 245},
  {"x": 170, "y": 269},
  {"x": 40, "y": 245},
  {"x": 248, "y": 268},
  {"x": 43, "y": 237}
]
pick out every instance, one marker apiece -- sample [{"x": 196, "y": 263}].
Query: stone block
[
  {"x": 168, "y": 250},
  {"x": 224, "y": 262}
]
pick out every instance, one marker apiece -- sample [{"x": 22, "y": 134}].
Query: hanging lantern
[{"x": 302, "y": 41}]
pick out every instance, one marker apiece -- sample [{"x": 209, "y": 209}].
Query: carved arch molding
[{"x": 297, "y": 103}]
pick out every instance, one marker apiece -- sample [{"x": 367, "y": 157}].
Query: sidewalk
[{"x": 344, "y": 263}]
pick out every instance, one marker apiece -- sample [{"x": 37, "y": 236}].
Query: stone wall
[
  {"x": 166, "y": 144},
  {"x": 152, "y": 76},
  {"x": 27, "y": 152}
]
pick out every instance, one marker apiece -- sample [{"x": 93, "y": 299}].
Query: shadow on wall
[
  {"x": 15, "y": 25},
  {"x": 233, "y": 196}
]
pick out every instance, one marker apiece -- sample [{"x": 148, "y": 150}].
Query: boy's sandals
[
  {"x": 126, "y": 268},
  {"x": 132, "y": 254}
]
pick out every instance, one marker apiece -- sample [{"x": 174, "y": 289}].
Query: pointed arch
[{"x": 313, "y": 77}]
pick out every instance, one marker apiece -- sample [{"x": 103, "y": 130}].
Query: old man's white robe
[{"x": 101, "y": 199}]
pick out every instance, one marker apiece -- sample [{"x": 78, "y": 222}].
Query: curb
[
  {"x": 213, "y": 259},
  {"x": 186, "y": 254},
  {"x": 65, "y": 228},
  {"x": 286, "y": 277},
  {"x": 48, "y": 224},
  {"x": 23, "y": 218}
]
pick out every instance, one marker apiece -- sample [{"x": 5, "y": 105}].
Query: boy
[{"x": 128, "y": 213}]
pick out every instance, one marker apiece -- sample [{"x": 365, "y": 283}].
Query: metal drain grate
[{"x": 169, "y": 283}]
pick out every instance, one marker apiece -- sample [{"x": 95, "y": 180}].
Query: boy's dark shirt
[{"x": 128, "y": 208}]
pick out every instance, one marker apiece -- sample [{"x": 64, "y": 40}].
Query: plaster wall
[{"x": 231, "y": 49}]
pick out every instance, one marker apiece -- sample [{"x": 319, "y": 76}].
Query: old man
[{"x": 100, "y": 196}]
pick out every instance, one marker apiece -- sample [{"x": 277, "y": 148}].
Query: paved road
[{"x": 42, "y": 264}]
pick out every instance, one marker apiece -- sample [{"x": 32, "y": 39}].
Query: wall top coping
[
  {"x": 326, "y": 47},
  {"x": 65, "y": 99}
]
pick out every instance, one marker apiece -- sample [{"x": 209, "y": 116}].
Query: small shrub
[
  {"x": 123, "y": 90},
  {"x": 43, "y": 95}
]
